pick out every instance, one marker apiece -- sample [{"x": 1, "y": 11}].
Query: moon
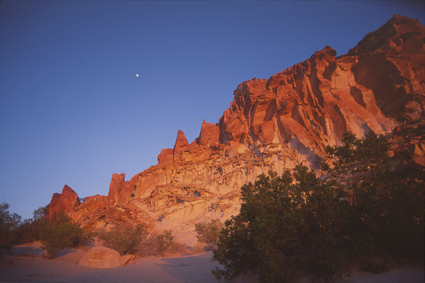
[{"x": 137, "y": 75}]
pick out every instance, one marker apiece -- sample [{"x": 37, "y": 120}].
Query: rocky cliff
[{"x": 275, "y": 124}]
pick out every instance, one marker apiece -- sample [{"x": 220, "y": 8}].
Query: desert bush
[
  {"x": 148, "y": 247},
  {"x": 298, "y": 222},
  {"x": 8, "y": 225},
  {"x": 387, "y": 206},
  {"x": 124, "y": 238},
  {"x": 165, "y": 241},
  {"x": 58, "y": 231},
  {"x": 30, "y": 229},
  {"x": 284, "y": 226},
  {"x": 160, "y": 244},
  {"x": 100, "y": 233},
  {"x": 177, "y": 248},
  {"x": 208, "y": 232}
]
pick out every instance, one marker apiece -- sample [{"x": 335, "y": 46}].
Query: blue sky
[{"x": 73, "y": 111}]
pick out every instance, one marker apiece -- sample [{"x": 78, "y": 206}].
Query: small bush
[
  {"x": 165, "y": 241},
  {"x": 160, "y": 244},
  {"x": 58, "y": 231},
  {"x": 8, "y": 224},
  {"x": 124, "y": 238},
  {"x": 177, "y": 248},
  {"x": 208, "y": 232},
  {"x": 31, "y": 229},
  {"x": 100, "y": 233}
]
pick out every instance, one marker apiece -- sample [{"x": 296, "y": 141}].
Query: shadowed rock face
[{"x": 275, "y": 124}]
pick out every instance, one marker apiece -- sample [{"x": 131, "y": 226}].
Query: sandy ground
[{"x": 27, "y": 264}]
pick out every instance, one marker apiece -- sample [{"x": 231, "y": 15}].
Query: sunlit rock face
[{"x": 275, "y": 124}]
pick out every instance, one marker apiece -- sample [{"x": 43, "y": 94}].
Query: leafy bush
[
  {"x": 160, "y": 244},
  {"x": 165, "y": 241},
  {"x": 8, "y": 224},
  {"x": 208, "y": 232},
  {"x": 299, "y": 222},
  {"x": 29, "y": 230},
  {"x": 124, "y": 238},
  {"x": 284, "y": 226},
  {"x": 387, "y": 206},
  {"x": 58, "y": 231}
]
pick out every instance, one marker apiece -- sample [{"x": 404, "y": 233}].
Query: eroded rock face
[
  {"x": 391, "y": 63},
  {"x": 276, "y": 124},
  {"x": 66, "y": 201}
]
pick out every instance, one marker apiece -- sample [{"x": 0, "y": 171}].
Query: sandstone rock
[
  {"x": 181, "y": 142},
  {"x": 125, "y": 259},
  {"x": 166, "y": 155},
  {"x": 115, "y": 187},
  {"x": 101, "y": 257},
  {"x": 66, "y": 201},
  {"x": 276, "y": 124},
  {"x": 387, "y": 58}
]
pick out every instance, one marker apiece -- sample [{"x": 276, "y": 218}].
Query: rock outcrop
[
  {"x": 101, "y": 257},
  {"x": 275, "y": 124}
]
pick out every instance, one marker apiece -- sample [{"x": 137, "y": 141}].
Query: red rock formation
[
  {"x": 66, "y": 201},
  {"x": 181, "y": 142},
  {"x": 276, "y": 124},
  {"x": 117, "y": 183},
  {"x": 391, "y": 63}
]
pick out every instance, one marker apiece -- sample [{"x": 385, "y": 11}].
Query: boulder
[
  {"x": 101, "y": 257},
  {"x": 126, "y": 259}
]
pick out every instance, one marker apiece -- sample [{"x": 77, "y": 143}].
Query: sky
[{"x": 74, "y": 111}]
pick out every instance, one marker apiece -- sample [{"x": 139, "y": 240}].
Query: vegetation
[
  {"x": 30, "y": 230},
  {"x": 160, "y": 244},
  {"x": 58, "y": 231},
  {"x": 124, "y": 238},
  {"x": 299, "y": 222},
  {"x": 208, "y": 232},
  {"x": 8, "y": 224},
  {"x": 55, "y": 231}
]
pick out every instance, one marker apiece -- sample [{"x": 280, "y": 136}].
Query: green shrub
[
  {"x": 124, "y": 238},
  {"x": 29, "y": 230},
  {"x": 8, "y": 224},
  {"x": 284, "y": 226},
  {"x": 208, "y": 232},
  {"x": 298, "y": 222},
  {"x": 160, "y": 244},
  {"x": 58, "y": 231},
  {"x": 165, "y": 242}
]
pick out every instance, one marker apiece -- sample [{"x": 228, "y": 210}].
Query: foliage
[
  {"x": 58, "y": 231},
  {"x": 387, "y": 206},
  {"x": 29, "y": 230},
  {"x": 208, "y": 232},
  {"x": 124, "y": 238},
  {"x": 8, "y": 224},
  {"x": 299, "y": 222},
  {"x": 165, "y": 241},
  {"x": 160, "y": 244},
  {"x": 100, "y": 233}
]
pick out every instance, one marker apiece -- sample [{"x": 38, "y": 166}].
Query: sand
[{"x": 27, "y": 264}]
